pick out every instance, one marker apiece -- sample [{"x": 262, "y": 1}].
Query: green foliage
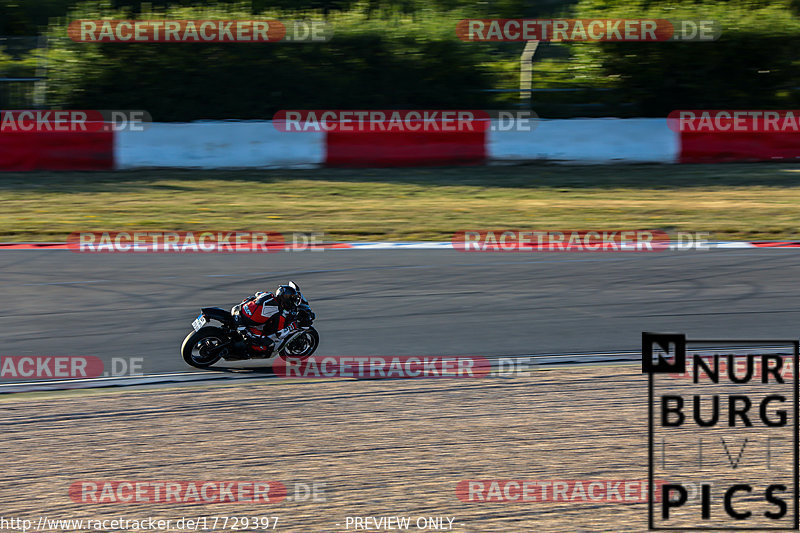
[
  {"x": 404, "y": 54},
  {"x": 27, "y": 17},
  {"x": 385, "y": 59},
  {"x": 752, "y": 65},
  {"x": 11, "y": 67}
]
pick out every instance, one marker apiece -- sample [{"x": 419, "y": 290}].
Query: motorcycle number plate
[{"x": 199, "y": 322}]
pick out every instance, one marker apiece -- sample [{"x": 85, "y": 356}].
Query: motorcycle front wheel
[
  {"x": 301, "y": 346},
  {"x": 197, "y": 344}
]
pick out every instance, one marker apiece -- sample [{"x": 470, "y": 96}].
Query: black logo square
[{"x": 669, "y": 349}]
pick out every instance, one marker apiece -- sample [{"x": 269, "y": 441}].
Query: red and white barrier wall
[{"x": 260, "y": 145}]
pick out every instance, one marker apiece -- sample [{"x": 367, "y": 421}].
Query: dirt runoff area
[{"x": 335, "y": 455}]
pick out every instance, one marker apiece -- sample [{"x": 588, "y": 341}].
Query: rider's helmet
[{"x": 288, "y": 297}]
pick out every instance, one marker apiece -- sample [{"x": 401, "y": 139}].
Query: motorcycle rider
[{"x": 266, "y": 317}]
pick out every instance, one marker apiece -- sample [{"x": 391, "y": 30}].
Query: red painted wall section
[
  {"x": 405, "y": 149},
  {"x": 740, "y": 146},
  {"x": 25, "y": 151}
]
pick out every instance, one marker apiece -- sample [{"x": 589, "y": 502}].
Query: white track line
[
  {"x": 212, "y": 375},
  {"x": 387, "y": 245},
  {"x": 540, "y": 361}
]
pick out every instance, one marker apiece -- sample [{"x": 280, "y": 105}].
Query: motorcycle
[{"x": 209, "y": 343}]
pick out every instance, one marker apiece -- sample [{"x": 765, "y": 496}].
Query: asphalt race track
[{"x": 406, "y": 302}]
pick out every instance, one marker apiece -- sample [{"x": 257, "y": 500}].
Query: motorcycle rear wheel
[{"x": 198, "y": 342}]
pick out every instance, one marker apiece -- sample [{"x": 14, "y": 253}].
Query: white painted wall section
[
  {"x": 590, "y": 140},
  {"x": 218, "y": 145}
]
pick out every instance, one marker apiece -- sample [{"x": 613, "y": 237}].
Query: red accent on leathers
[{"x": 252, "y": 310}]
